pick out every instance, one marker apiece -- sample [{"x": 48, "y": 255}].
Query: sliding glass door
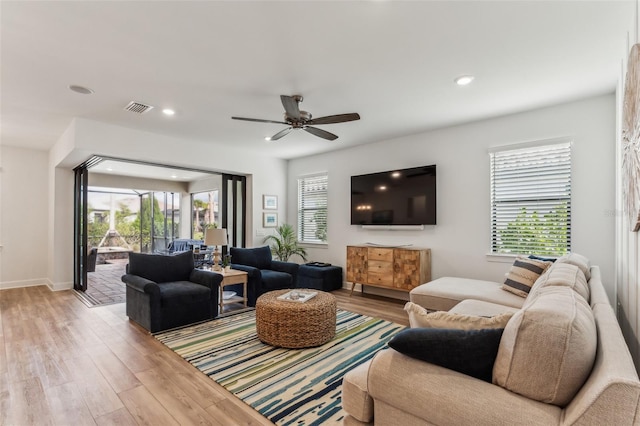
[
  {"x": 234, "y": 208},
  {"x": 80, "y": 206},
  {"x": 159, "y": 220}
]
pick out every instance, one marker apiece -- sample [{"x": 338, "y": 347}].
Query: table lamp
[{"x": 215, "y": 237}]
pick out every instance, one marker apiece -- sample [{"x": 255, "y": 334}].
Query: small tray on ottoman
[{"x": 285, "y": 324}]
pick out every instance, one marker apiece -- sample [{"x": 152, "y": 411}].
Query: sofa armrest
[
  {"x": 445, "y": 397},
  {"x": 253, "y": 273},
  {"x": 141, "y": 284},
  {"x": 288, "y": 267},
  {"x": 206, "y": 278},
  {"x": 254, "y": 282}
]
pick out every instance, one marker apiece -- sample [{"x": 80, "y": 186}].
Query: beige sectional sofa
[{"x": 561, "y": 360}]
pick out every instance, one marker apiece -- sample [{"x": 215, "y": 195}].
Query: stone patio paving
[{"x": 104, "y": 286}]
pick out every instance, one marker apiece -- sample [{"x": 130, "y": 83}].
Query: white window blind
[
  {"x": 531, "y": 200},
  {"x": 312, "y": 209}
]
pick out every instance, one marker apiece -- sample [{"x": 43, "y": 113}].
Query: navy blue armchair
[
  {"x": 265, "y": 274},
  {"x": 166, "y": 291}
]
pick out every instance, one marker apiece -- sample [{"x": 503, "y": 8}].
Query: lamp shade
[{"x": 215, "y": 237}]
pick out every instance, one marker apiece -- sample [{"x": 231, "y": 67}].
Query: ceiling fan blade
[
  {"x": 290, "y": 105},
  {"x": 320, "y": 133},
  {"x": 281, "y": 133},
  {"x": 258, "y": 120},
  {"x": 338, "y": 118}
]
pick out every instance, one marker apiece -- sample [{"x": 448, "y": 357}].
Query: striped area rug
[{"x": 288, "y": 386}]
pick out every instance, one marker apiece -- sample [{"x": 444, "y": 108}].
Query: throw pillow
[
  {"x": 548, "y": 259},
  {"x": 523, "y": 274},
  {"x": 420, "y": 317},
  {"x": 470, "y": 352}
]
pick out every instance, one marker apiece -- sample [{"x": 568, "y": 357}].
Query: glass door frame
[{"x": 234, "y": 211}]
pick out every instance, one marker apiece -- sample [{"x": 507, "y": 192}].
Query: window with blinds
[
  {"x": 312, "y": 209},
  {"x": 531, "y": 199}
]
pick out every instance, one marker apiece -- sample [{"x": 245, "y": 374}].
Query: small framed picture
[
  {"x": 270, "y": 202},
  {"x": 269, "y": 220}
]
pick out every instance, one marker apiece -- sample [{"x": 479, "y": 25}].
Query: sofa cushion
[
  {"x": 444, "y": 293},
  {"x": 562, "y": 274},
  {"x": 548, "y": 347},
  {"x": 419, "y": 317},
  {"x": 161, "y": 268},
  {"x": 183, "y": 292},
  {"x": 480, "y": 308},
  {"x": 274, "y": 280},
  {"x": 523, "y": 274},
  {"x": 355, "y": 396},
  {"x": 471, "y": 352},
  {"x": 580, "y": 261}
]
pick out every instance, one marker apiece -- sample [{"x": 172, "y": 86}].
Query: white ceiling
[{"x": 392, "y": 62}]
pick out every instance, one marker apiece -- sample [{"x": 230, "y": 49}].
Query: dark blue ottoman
[{"x": 325, "y": 278}]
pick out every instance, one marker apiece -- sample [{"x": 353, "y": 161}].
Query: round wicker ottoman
[{"x": 294, "y": 325}]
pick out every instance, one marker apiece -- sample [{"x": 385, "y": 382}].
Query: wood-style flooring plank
[
  {"x": 112, "y": 368},
  {"x": 145, "y": 409},
  {"x": 5, "y": 398},
  {"x": 231, "y": 412},
  {"x": 67, "y": 406},
  {"x": 204, "y": 391},
  {"x": 175, "y": 400},
  {"x": 95, "y": 390},
  {"x": 28, "y": 404},
  {"x": 120, "y": 417}
]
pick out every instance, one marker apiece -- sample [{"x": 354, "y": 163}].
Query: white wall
[
  {"x": 24, "y": 225},
  {"x": 85, "y": 138},
  {"x": 460, "y": 240}
]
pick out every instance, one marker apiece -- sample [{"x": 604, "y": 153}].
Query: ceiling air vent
[{"x": 137, "y": 107}]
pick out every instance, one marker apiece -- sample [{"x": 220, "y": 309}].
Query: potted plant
[
  {"x": 285, "y": 243},
  {"x": 226, "y": 262}
]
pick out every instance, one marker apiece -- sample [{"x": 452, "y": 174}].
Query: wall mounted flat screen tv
[{"x": 395, "y": 197}]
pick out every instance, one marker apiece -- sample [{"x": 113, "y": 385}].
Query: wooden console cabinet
[{"x": 396, "y": 268}]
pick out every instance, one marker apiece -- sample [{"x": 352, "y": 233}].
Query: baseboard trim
[
  {"x": 23, "y": 283},
  {"x": 59, "y": 286}
]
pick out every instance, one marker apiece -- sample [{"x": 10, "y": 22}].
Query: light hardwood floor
[{"x": 62, "y": 363}]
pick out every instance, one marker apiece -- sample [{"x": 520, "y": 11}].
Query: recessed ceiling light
[
  {"x": 464, "y": 80},
  {"x": 174, "y": 177},
  {"x": 81, "y": 89},
  {"x": 109, "y": 169},
  {"x": 267, "y": 138},
  {"x": 168, "y": 111}
]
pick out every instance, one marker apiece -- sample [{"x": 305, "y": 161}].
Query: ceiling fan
[{"x": 297, "y": 119}]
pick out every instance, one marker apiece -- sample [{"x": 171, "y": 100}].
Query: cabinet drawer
[
  {"x": 380, "y": 267},
  {"x": 380, "y": 278},
  {"x": 383, "y": 254}
]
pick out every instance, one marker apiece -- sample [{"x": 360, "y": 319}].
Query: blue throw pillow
[
  {"x": 544, "y": 259},
  {"x": 470, "y": 352}
]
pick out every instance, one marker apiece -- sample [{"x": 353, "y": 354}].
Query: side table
[{"x": 232, "y": 276}]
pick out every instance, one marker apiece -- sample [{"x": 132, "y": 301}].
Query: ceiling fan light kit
[{"x": 298, "y": 119}]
